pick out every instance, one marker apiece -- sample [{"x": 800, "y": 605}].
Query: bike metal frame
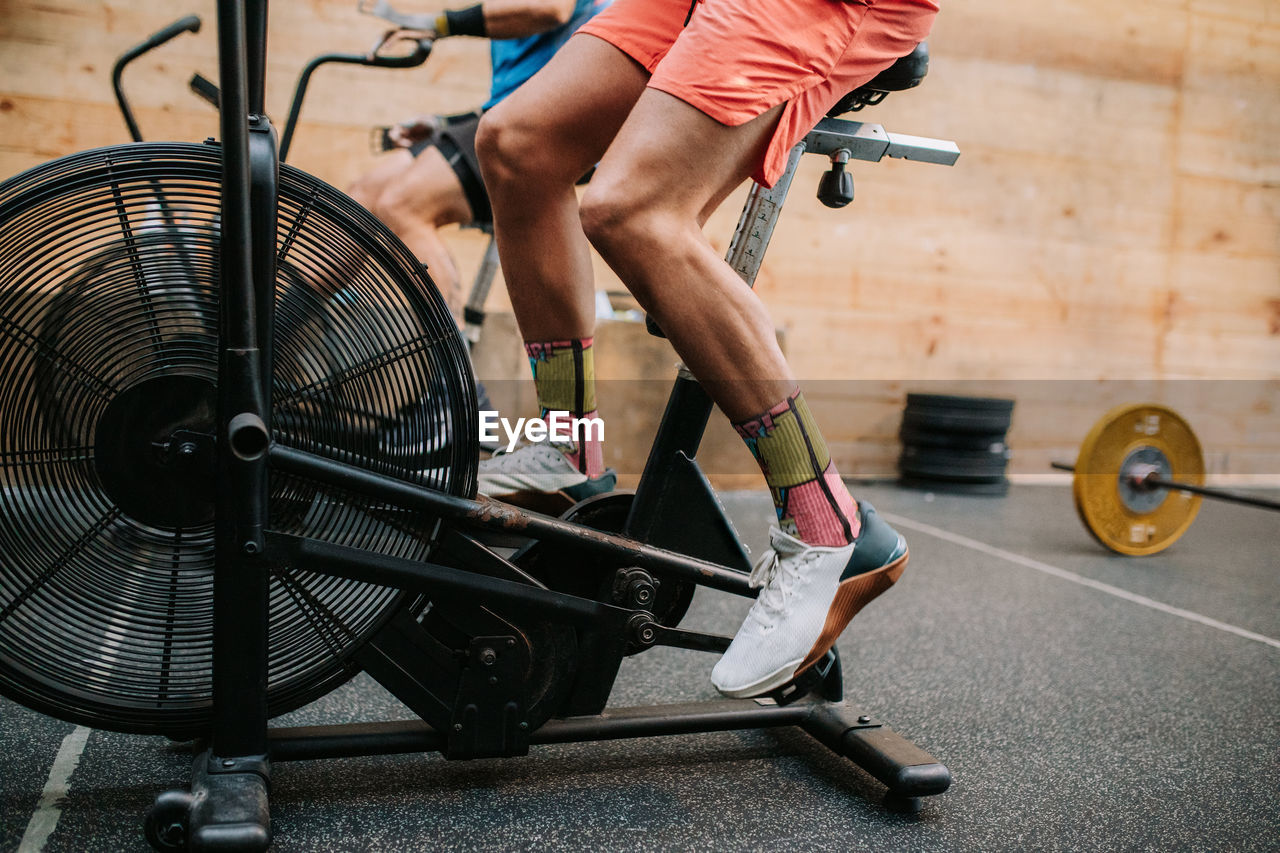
[{"x": 231, "y": 778}]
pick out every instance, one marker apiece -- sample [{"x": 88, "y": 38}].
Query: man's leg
[
  {"x": 533, "y": 148},
  {"x": 415, "y": 197},
  {"x": 383, "y": 173},
  {"x": 643, "y": 212}
]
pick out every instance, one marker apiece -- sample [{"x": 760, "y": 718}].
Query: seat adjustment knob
[{"x": 835, "y": 190}]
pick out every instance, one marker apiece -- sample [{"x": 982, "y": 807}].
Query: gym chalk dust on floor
[{"x": 1083, "y": 701}]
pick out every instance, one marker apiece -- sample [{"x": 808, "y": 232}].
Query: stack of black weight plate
[{"x": 955, "y": 444}]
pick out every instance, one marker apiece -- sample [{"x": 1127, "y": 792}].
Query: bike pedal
[{"x": 806, "y": 682}]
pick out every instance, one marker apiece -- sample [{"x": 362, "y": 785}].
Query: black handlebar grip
[{"x": 189, "y": 24}]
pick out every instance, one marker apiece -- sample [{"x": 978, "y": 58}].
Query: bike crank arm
[
  {"x": 646, "y": 632},
  {"x": 495, "y": 515}
]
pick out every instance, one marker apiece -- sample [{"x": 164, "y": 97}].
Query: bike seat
[{"x": 906, "y": 73}]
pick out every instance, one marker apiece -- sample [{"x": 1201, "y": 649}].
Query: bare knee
[
  {"x": 500, "y": 144},
  {"x": 604, "y": 216},
  {"x": 516, "y": 150},
  {"x": 619, "y": 226},
  {"x": 631, "y": 235}
]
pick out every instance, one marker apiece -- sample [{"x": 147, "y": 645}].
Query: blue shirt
[{"x": 516, "y": 60}]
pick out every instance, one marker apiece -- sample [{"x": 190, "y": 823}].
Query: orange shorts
[{"x": 737, "y": 59}]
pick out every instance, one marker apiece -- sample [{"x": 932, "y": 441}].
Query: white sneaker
[
  {"x": 538, "y": 470},
  {"x": 808, "y": 595}
]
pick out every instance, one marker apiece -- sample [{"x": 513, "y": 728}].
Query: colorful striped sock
[
  {"x": 565, "y": 376},
  {"x": 808, "y": 494}
]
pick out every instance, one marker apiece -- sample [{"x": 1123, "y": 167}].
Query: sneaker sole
[{"x": 851, "y": 596}]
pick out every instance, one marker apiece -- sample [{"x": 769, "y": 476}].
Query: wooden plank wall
[{"x": 1112, "y": 230}]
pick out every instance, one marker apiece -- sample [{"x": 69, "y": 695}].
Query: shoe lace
[
  {"x": 524, "y": 458},
  {"x": 775, "y": 577}
]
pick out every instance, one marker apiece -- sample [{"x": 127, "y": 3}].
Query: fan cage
[{"x": 109, "y": 311}]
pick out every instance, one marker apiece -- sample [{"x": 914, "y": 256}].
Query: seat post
[{"x": 759, "y": 216}]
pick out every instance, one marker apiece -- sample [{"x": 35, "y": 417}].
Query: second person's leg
[{"x": 534, "y": 147}]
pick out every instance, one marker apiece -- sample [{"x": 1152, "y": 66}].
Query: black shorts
[{"x": 457, "y": 142}]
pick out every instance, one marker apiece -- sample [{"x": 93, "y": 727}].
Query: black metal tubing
[
  {"x": 189, "y": 24},
  {"x": 256, "y": 56},
  {"x": 370, "y": 567},
  {"x": 236, "y": 225},
  {"x": 302, "y": 743},
  {"x": 264, "y": 169},
  {"x": 240, "y": 579},
  {"x": 371, "y": 60},
  {"x": 228, "y": 807},
  {"x": 494, "y": 515},
  {"x": 393, "y": 737},
  {"x": 906, "y": 769},
  {"x": 722, "y": 716},
  {"x": 530, "y": 598}
]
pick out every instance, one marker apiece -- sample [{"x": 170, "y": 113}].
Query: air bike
[{"x": 206, "y": 522}]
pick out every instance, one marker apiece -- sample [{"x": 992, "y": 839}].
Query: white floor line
[
  {"x": 43, "y": 822},
  {"x": 1029, "y": 563}
]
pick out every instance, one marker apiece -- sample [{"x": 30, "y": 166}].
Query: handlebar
[
  {"x": 190, "y": 23},
  {"x": 372, "y": 59}
]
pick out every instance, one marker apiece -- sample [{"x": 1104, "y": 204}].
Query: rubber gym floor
[{"x": 1082, "y": 700}]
